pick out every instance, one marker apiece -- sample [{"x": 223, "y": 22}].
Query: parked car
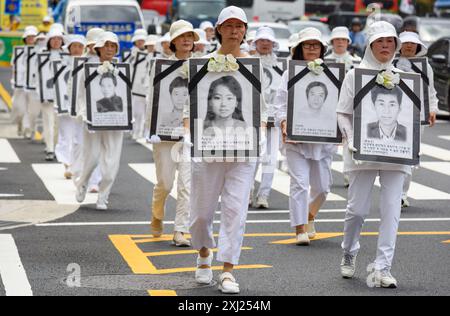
[
  {"x": 297, "y": 26},
  {"x": 439, "y": 57},
  {"x": 282, "y": 34}
]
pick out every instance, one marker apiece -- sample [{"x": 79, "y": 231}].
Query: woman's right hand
[{"x": 284, "y": 130}]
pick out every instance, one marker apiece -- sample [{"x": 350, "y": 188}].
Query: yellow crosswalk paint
[
  {"x": 5, "y": 96},
  {"x": 162, "y": 293}
]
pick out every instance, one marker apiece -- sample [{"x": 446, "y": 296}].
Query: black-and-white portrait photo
[
  {"x": 170, "y": 97},
  {"x": 387, "y": 121},
  {"x": 77, "y": 69},
  {"x": 45, "y": 76},
  {"x": 108, "y": 96},
  {"x": 61, "y": 74},
  {"x": 270, "y": 82},
  {"x": 31, "y": 64},
  {"x": 418, "y": 65},
  {"x": 312, "y": 102},
  {"x": 225, "y": 112},
  {"x": 19, "y": 66}
]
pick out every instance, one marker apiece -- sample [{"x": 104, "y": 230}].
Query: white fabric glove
[
  {"x": 263, "y": 144},
  {"x": 351, "y": 147},
  {"x": 154, "y": 139},
  {"x": 187, "y": 140}
]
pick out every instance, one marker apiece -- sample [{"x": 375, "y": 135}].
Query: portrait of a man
[
  {"x": 179, "y": 96},
  {"x": 387, "y": 105},
  {"x": 110, "y": 102}
]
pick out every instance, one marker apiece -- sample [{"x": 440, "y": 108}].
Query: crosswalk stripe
[
  {"x": 444, "y": 137},
  {"x": 261, "y": 212},
  {"x": 5, "y": 195},
  {"x": 8, "y": 154},
  {"x": 435, "y": 152},
  {"x": 148, "y": 172},
  {"x": 437, "y": 166},
  {"x": 12, "y": 272},
  {"x": 62, "y": 190}
]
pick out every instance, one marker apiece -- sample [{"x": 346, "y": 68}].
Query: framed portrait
[
  {"x": 312, "y": 101},
  {"x": 125, "y": 56},
  {"x": 140, "y": 70},
  {"x": 419, "y": 66},
  {"x": 77, "y": 68},
  {"x": 31, "y": 68},
  {"x": 19, "y": 66},
  {"x": 170, "y": 96},
  {"x": 386, "y": 121},
  {"x": 108, "y": 98},
  {"x": 61, "y": 74},
  {"x": 225, "y": 114}
]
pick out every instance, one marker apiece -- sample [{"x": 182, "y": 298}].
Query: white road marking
[
  {"x": 3, "y": 169},
  {"x": 437, "y": 166},
  {"x": 218, "y": 222},
  {"x": 4, "y": 195},
  {"x": 445, "y": 137},
  {"x": 8, "y": 154},
  {"x": 63, "y": 190},
  {"x": 12, "y": 272},
  {"x": 435, "y": 152},
  {"x": 262, "y": 212},
  {"x": 148, "y": 172}
]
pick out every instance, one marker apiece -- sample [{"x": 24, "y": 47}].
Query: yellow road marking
[
  {"x": 161, "y": 293},
  {"x": 446, "y": 242},
  {"x": 180, "y": 252},
  {"x": 5, "y": 96}
]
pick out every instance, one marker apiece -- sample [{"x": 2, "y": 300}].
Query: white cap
[
  {"x": 340, "y": 32},
  {"x": 382, "y": 29},
  {"x": 206, "y": 25},
  {"x": 108, "y": 37},
  {"x": 309, "y": 34},
  {"x": 165, "y": 38},
  {"x": 56, "y": 32},
  {"x": 181, "y": 27},
  {"x": 47, "y": 19},
  {"x": 232, "y": 12},
  {"x": 30, "y": 31},
  {"x": 411, "y": 37},
  {"x": 57, "y": 26},
  {"x": 139, "y": 35},
  {"x": 202, "y": 34},
  {"x": 75, "y": 39},
  {"x": 93, "y": 35},
  {"x": 151, "y": 40},
  {"x": 265, "y": 33}
]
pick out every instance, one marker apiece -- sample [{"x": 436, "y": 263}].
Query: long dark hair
[{"x": 233, "y": 85}]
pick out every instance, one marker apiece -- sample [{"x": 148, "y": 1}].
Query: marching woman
[
  {"x": 413, "y": 47},
  {"x": 182, "y": 38},
  {"x": 382, "y": 45},
  {"x": 102, "y": 148},
  {"x": 55, "y": 42},
  {"x": 231, "y": 181},
  {"x": 340, "y": 41},
  {"x": 309, "y": 163}
]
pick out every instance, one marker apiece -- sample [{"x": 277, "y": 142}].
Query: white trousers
[
  {"x": 102, "y": 148},
  {"x": 19, "y": 108},
  {"x": 49, "y": 125},
  {"x": 76, "y": 161},
  {"x": 232, "y": 181},
  {"x": 139, "y": 108},
  {"x": 66, "y": 131},
  {"x": 167, "y": 156},
  {"x": 33, "y": 109},
  {"x": 358, "y": 208},
  {"x": 310, "y": 184},
  {"x": 269, "y": 162}
]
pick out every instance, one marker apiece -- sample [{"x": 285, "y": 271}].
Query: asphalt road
[{"x": 77, "y": 250}]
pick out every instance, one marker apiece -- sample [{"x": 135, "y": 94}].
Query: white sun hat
[
  {"x": 47, "y": 19},
  {"x": 202, "y": 34},
  {"x": 165, "y": 38},
  {"x": 75, "y": 38},
  {"x": 381, "y": 29},
  {"x": 309, "y": 34},
  {"x": 250, "y": 36},
  {"x": 56, "y": 32},
  {"x": 108, "y": 37},
  {"x": 57, "y": 26},
  {"x": 411, "y": 37},
  {"x": 30, "y": 30},
  {"x": 265, "y": 33},
  {"x": 41, "y": 36},
  {"x": 151, "y": 40},
  {"x": 181, "y": 27},
  {"x": 232, "y": 12},
  {"x": 93, "y": 35},
  {"x": 292, "y": 40},
  {"x": 206, "y": 25},
  {"x": 139, "y": 35},
  {"x": 340, "y": 32}
]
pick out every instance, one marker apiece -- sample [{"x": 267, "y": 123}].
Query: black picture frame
[
  {"x": 123, "y": 120},
  {"x": 45, "y": 71},
  {"x": 125, "y": 56},
  {"x": 139, "y": 71},
  {"x": 296, "y": 100},
  {"x": 19, "y": 66},
  {"x": 77, "y": 68},
  {"x": 61, "y": 73},
  {"x": 31, "y": 68},
  {"x": 410, "y": 114},
  {"x": 251, "y": 77}
]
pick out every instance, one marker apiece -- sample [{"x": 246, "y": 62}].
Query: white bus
[{"x": 271, "y": 10}]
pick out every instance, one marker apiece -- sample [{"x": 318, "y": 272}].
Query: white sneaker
[
  {"x": 303, "y": 240},
  {"x": 102, "y": 206},
  {"x": 384, "y": 279},
  {"x": 311, "y": 230},
  {"x": 81, "y": 194},
  {"x": 262, "y": 202},
  {"x": 227, "y": 284},
  {"x": 348, "y": 266},
  {"x": 204, "y": 276},
  {"x": 180, "y": 241}
]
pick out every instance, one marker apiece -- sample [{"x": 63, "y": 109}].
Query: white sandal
[
  {"x": 227, "y": 284},
  {"x": 204, "y": 276}
]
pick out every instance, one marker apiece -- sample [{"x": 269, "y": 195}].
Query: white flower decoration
[
  {"x": 316, "y": 66},
  {"x": 388, "y": 79},
  {"x": 184, "y": 71},
  {"x": 222, "y": 63},
  {"x": 107, "y": 67}
]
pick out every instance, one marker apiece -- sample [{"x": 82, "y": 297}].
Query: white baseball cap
[
  {"x": 108, "y": 37},
  {"x": 340, "y": 32},
  {"x": 151, "y": 40},
  {"x": 30, "y": 31},
  {"x": 411, "y": 37},
  {"x": 181, "y": 27},
  {"x": 265, "y": 33},
  {"x": 232, "y": 12},
  {"x": 206, "y": 25},
  {"x": 382, "y": 29},
  {"x": 93, "y": 35},
  {"x": 202, "y": 35},
  {"x": 309, "y": 34},
  {"x": 139, "y": 35}
]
